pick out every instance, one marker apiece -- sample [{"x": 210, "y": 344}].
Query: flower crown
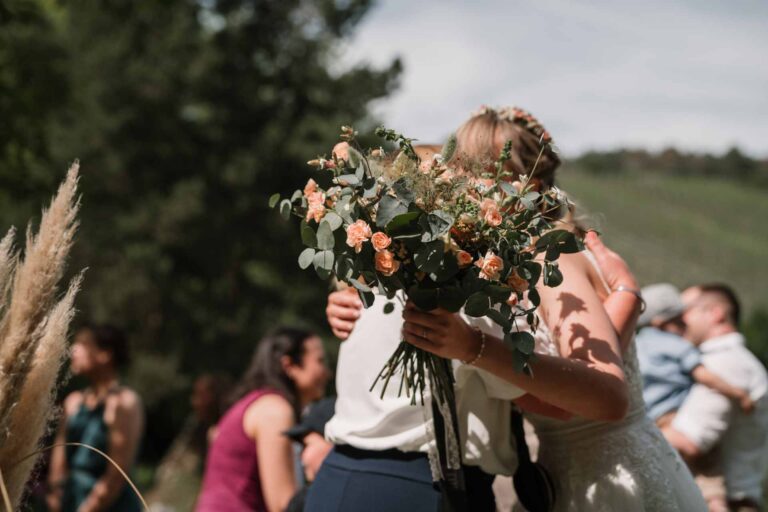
[{"x": 519, "y": 117}]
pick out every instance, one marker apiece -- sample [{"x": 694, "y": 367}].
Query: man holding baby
[{"x": 719, "y": 423}]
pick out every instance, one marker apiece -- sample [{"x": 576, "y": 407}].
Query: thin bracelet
[
  {"x": 482, "y": 348},
  {"x": 633, "y": 291}
]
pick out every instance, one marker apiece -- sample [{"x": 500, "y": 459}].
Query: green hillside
[{"x": 681, "y": 229}]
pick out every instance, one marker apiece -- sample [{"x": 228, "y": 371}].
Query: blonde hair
[{"x": 482, "y": 137}]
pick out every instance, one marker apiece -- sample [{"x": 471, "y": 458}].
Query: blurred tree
[
  {"x": 186, "y": 116},
  {"x": 756, "y": 331}
]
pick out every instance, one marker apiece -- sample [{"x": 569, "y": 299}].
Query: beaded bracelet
[{"x": 481, "y": 351}]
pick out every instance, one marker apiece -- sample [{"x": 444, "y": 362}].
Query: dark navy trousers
[{"x": 353, "y": 480}]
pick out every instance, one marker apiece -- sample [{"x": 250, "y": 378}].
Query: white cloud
[{"x": 599, "y": 74}]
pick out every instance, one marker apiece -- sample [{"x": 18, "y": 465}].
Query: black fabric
[{"x": 534, "y": 487}]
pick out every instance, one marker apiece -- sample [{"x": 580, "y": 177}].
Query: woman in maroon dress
[{"x": 250, "y": 462}]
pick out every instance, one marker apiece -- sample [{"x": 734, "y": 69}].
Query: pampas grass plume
[{"x": 33, "y": 330}]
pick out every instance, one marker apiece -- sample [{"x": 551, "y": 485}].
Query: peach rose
[
  {"x": 316, "y": 212},
  {"x": 490, "y": 266},
  {"x": 358, "y": 233},
  {"x": 341, "y": 151},
  {"x": 380, "y": 241},
  {"x": 464, "y": 259},
  {"x": 310, "y": 188},
  {"x": 316, "y": 208},
  {"x": 386, "y": 263},
  {"x": 493, "y": 218}
]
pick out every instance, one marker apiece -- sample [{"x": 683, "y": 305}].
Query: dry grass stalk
[
  {"x": 30, "y": 417},
  {"x": 31, "y": 315}
]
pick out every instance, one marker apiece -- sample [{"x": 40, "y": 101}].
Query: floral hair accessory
[{"x": 519, "y": 117}]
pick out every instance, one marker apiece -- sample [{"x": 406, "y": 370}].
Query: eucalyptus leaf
[
  {"x": 533, "y": 297},
  {"x": 348, "y": 179},
  {"x": 308, "y": 236},
  {"x": 323, "y": 260},
  {"x": 522, "y": 341},
  {"x": 499, "y": 318},
  {"x": 361, "y": 286},
  {"x": 478, "y": 304},
  {"x": 355, "y": 158},
  {"x": 334, "y": 220},
  {"x": 389, "y": 208},
  {"x": 325, "y": 239},
  {"x": 429, "y": 256},
  {"x": 306, "y": 257},
  {"x": 435, "y": 225},
  {"x": 273, "y": 199},
  {"x": 285, "y": 209},
  {"x": 367, "y": 298},
  {"x": 552, "y": 275}
]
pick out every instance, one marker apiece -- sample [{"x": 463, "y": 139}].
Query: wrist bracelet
[
  {"x": 633, "y": 291},
  {"x": 482, "y": 348}
]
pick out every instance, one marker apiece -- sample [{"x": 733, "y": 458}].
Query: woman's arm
[
  {"x": 588, "y": 380},
  {"x": 57, "y": 471},
  {"x": 265, "y": 421},
  {"x": 622, "y": 308},
  {"x": 124, "y": 417}
]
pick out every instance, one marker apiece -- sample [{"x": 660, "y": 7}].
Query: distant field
[{"x": 681, "y": 229}]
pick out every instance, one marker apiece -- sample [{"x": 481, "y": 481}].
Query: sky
[{"x": 598, "y": 74}]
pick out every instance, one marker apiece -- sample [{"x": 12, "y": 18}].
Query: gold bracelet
[{"x": 482, "y": 348}]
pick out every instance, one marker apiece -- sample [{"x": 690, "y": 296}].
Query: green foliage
[{"x": 186, "y": 116}]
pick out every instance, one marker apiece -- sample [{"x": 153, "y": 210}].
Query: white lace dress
[{"x": 624, "y": 466}]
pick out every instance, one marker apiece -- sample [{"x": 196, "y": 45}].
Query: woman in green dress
[{"x": 106, "y": 416}]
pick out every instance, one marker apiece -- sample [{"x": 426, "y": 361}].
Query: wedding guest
[
  {"x": 670, "y": 364},
  {"x": 179, "y": 474},
  {"x": 718, "y": 437},
  {"x": 610, "y": 455},
  {"x": 250, "y": 462},
  {"x": 309, "y": 433},
  {"x": 105, "y": 415}
]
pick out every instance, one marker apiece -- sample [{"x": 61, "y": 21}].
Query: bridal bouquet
[{"x": 448, "y": 232}]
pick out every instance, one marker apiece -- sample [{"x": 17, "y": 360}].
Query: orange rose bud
[
  {"x": 386, "y": 263},
  {"x": 380, "y": 241},
  {"x": 464, "y": 259},
  {"x": 516, "y": 282}
]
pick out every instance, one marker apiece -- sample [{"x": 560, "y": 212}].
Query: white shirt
[
  {"x": 366, "y": 421},
  {"x": 707, "y": 417}
]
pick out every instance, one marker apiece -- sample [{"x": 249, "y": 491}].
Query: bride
[{"x": 604, "y": 457}]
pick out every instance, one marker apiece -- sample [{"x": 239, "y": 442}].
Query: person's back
[{"x": 666, "y": 362}]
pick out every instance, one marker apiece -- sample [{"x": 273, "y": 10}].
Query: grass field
[{"x": 683, "y": 230}]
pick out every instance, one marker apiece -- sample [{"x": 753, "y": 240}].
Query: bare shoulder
[
  {"x": 269, "y": 411},
  {"x": 123, "y": 403},
  {"x": 72, "y": 402}
]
